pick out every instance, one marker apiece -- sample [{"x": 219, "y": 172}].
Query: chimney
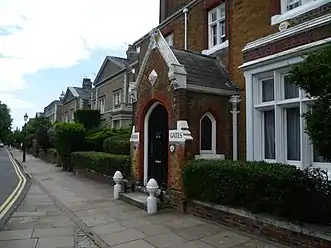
[
  {"x": 131, "y": 54},
  {"x": 87, "y": 84},
  {"x": 61, "y": 96}
]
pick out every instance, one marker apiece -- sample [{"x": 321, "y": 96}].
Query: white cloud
[{"x": 40, "y": 34}]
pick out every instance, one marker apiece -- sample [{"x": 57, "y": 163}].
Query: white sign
[
  {"x": 176, "y": 136},
  {"x": 134, "y": 137}
]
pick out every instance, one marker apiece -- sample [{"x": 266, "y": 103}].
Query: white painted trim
[
  {"x": 177, "y": 72},
  {"x": 146, "y": 123},
  {"x": 306, "y": 7},
  {"x": 216, "y": 48},
  {"x": 213, "y": 134},
  {"x": 254, "y": 116},
  {"x": 210, "y": 156},
  {"x": 291, "y": 52},
  {"x": 208, "y": 90},
  {"x": 74, "y": 91},
  {"x": 312, "y": 24},
  {"x": 218, "y": 20}
]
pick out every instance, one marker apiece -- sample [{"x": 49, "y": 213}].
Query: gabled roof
[
  {"x": 188, "y": 69},
  {"x": 203, "y": 70},
  {"x": 77, "y": 92},
  {"x": 83, "y": 93},
  {"x": 121, "y": 62}
]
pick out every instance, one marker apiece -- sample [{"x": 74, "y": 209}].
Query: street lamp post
[{"x": 24, "y": 132}]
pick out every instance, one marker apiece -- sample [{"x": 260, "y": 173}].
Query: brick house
[
  {"x": 181, "y": 93},
  {"x": 110, "y": 94},
  {"x": 275, "y": 129},
  {"x": 76, "y": 98}
]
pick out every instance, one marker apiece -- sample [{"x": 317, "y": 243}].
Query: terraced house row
[{"x": 210, "y": 81}]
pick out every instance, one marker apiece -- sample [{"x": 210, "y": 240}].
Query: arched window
[{"x": 207, "y": 134}]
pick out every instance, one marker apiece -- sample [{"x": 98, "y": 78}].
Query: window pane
[
  {"x": 213, "y": 16},
  {"x": 206, "y": 133},
  {"x": 222, "y": 31},
  {"x": 214, "y": 34},
  {"x": 292, "y": 4},
  {"x": 269, "y": 134},
  {"x": 268, "y": 90},
  {"x": 318, "y": 158},
  {"x": 293, "y": 134},
  {"x": 290, "y": 89},
  {"x": 221, "y": 11}
]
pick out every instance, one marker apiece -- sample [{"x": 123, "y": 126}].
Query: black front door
[{"x": 158, "y": 145}]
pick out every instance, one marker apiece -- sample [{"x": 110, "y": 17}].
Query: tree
[
  {"x": 5, "y": 121},
  {"x": 90, "y": 118},
  {"x": 35, "y": 123},
  {"x": 314, "y": 76}
]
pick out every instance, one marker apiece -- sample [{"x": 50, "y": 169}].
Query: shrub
[
  {"x": 101, "y": 162},
  {"x": 52, "y": 151},
  {"x": 29, "y": 140},
  {"x": 117, "y": 145},
  {"x": 94, "y": 141},
  {"x": 261, "y": 187},
  {"x": 69, "y": 137},
  {"x": 90, "y": 118}
]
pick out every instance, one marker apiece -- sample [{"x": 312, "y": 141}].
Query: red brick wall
[
  {"x": 197, "y": 31},
  {"x": 218, "y": 106},
  {"x": 288, "y": 43},
  {"x": 249, "y": 20},
  {"x": 169, "y": 7}
]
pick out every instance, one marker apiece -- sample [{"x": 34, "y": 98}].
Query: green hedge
[
  {"x": 260, "y": 187},
  {"x": 117, "y": 145},
  {"x": 101, "y": 162}
]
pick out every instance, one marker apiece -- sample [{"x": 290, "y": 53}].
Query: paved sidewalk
[{"x": 63, "y": 210}]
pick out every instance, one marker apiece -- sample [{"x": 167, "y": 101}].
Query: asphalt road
[{"x": 8, "y": 176}]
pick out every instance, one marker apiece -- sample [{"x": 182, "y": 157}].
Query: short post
[
  {"x": 118, "y": 178},
  {"x": 235, "y": 100},
  {"x": 151, "y": 188}
]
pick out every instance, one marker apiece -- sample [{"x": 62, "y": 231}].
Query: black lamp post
[{"x": 24, "y": 132}]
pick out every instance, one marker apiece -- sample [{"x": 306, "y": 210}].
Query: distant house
[
  {"x": 76, "y": 98},
  {"x": 53, "y": 110},
  {"x": 111, "y": 92}
]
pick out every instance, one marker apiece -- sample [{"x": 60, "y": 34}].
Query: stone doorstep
[
  {"x": 268, "y": 227},
  {"x": 139, "y": 200}
]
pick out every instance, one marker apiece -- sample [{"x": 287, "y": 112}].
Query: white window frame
[
  {"x": 306, "y": 6},
  {"x": 102, "y": 105},
  {"x": 138, "y": 49},
  {"x": 170, "y": 39},
  {"x": 213, "y": 134},
  {"x": 280, "y": 104},
  {"x": 117, "y": 98},
  {"x": 218, "y": 21}
]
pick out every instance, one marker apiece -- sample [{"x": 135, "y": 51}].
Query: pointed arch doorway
[{"x": 156, "y": 135}]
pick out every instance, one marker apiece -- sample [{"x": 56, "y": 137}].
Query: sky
[{"x": 48, "y": 45}]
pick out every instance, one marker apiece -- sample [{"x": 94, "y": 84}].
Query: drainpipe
[
  {"x": 185, "y": 11},
  {"x": 235, "y": 100}
]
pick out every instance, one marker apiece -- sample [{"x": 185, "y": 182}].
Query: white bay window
[{"x": 278, "y": 129}]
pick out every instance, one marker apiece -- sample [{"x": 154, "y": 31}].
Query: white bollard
[
  {"x": 151, "y": 188},
  {"x": 118, "y": 177}
]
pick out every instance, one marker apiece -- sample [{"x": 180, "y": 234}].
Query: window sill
[
  {"x": 210, "y": 156},
  {"x": 297, "y": 11},
  {"x": 216, "y": 48}
]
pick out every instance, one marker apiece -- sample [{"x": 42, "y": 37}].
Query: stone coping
[{"x": 315, "y": 231}]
